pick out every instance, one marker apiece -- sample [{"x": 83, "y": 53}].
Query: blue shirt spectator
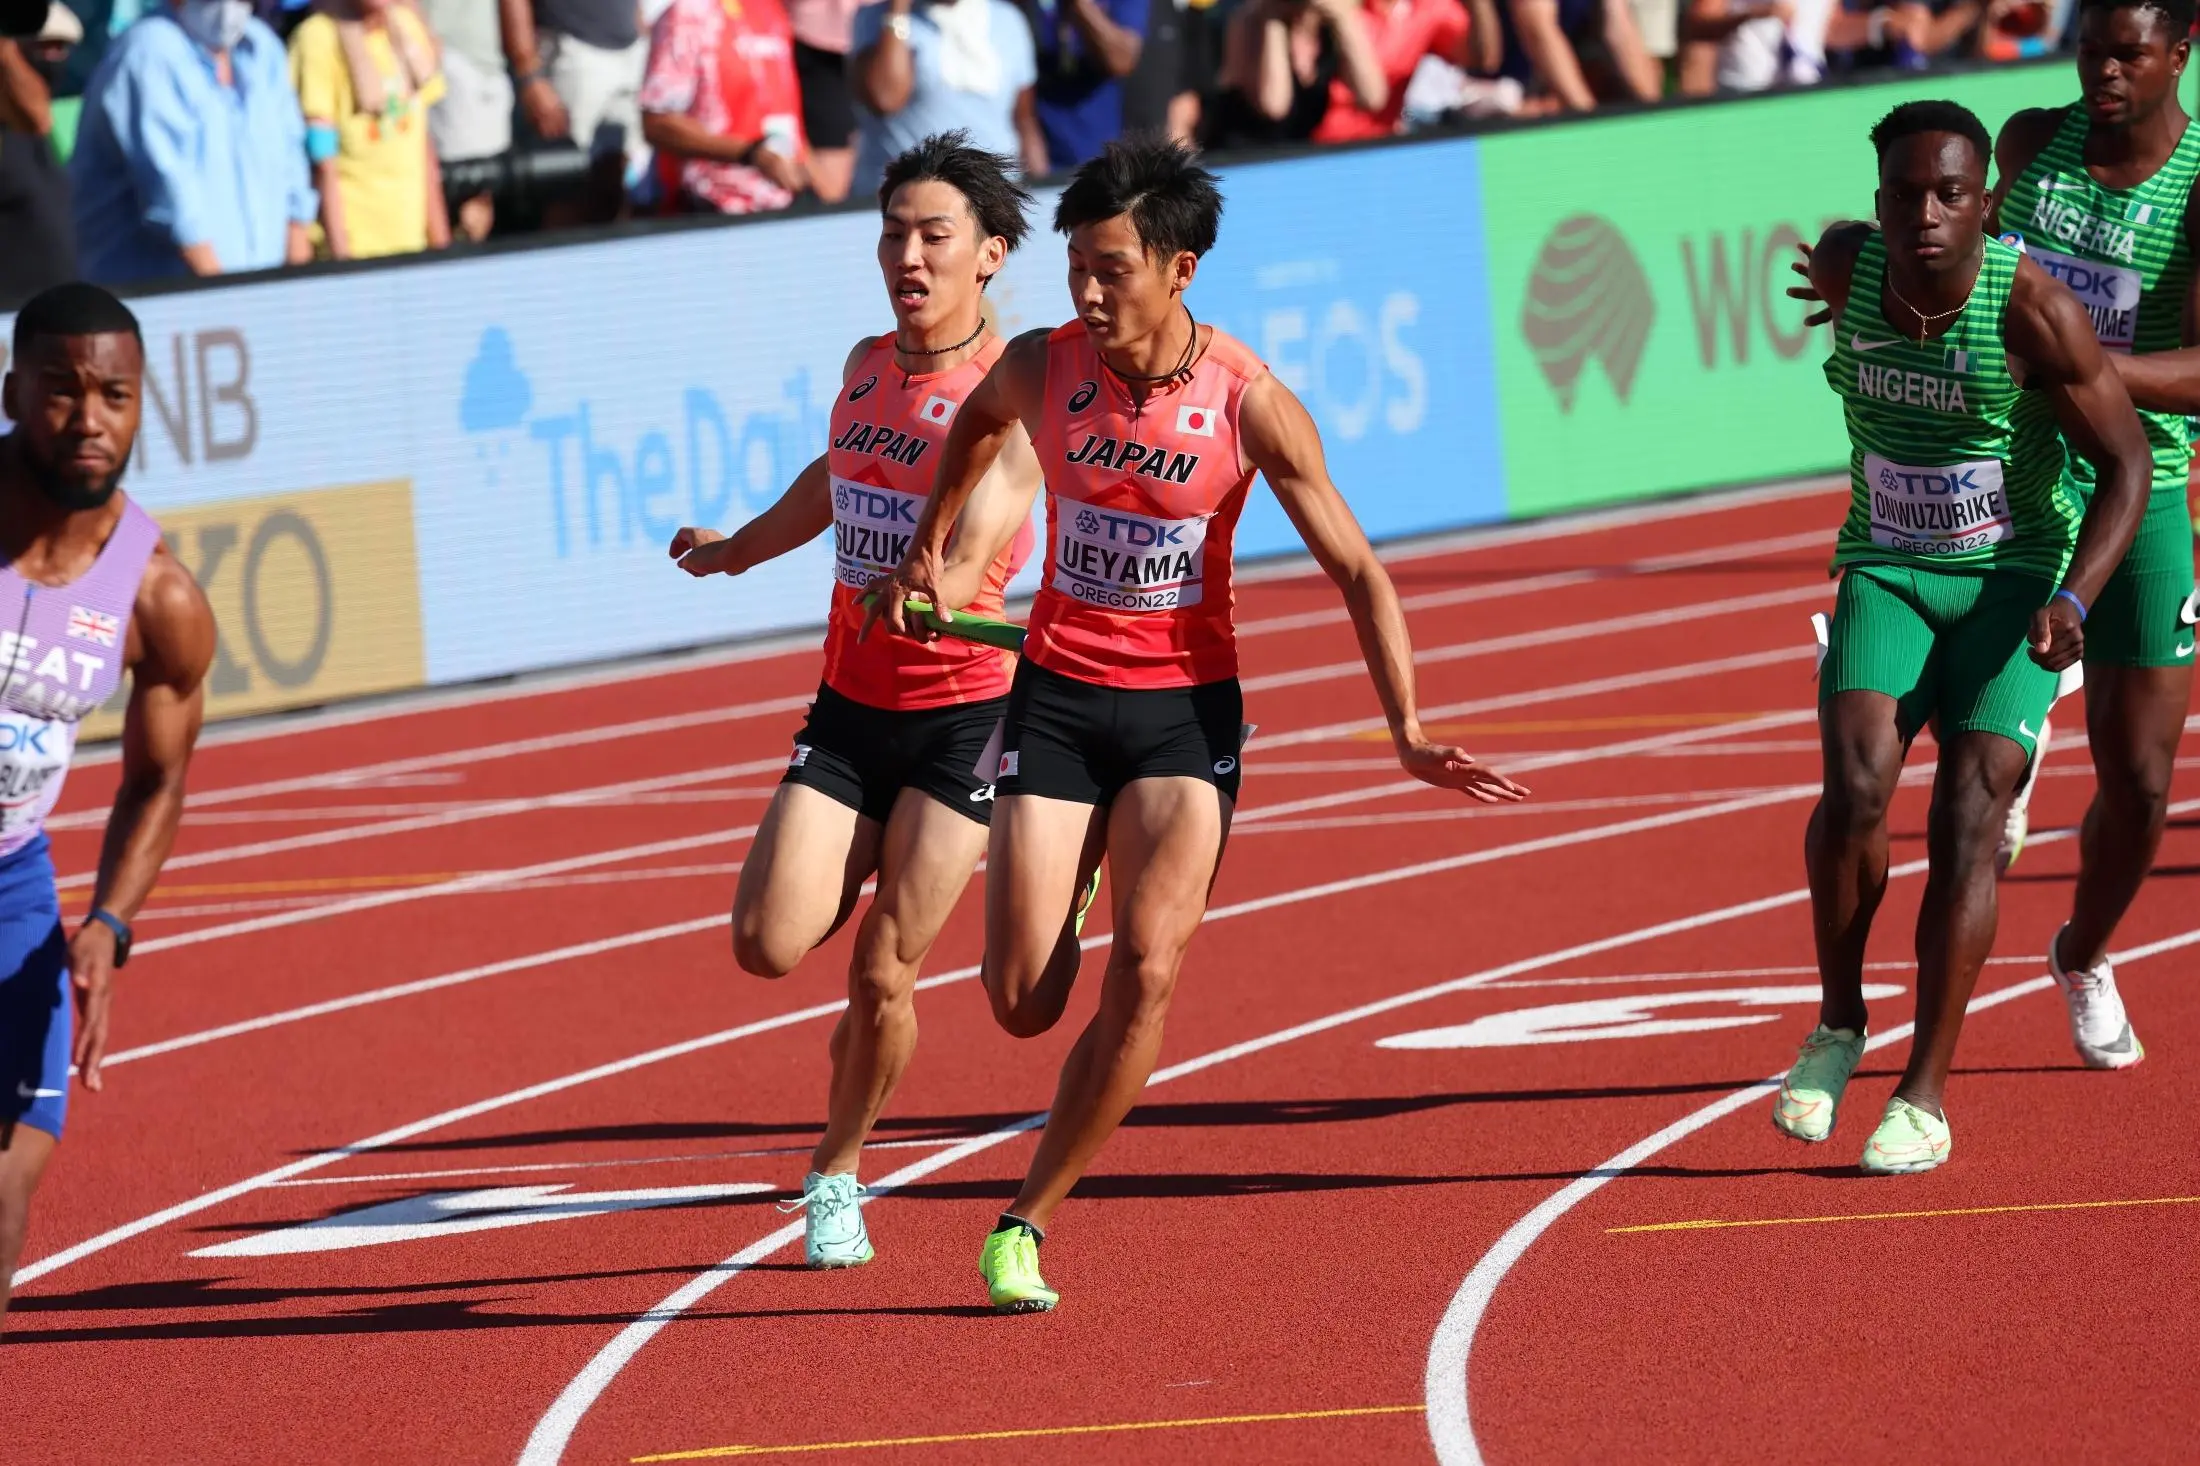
[
  {"x": 191, "y": 157},
  {"x": 924, "y": 68},
  {"x": 1085, "y": 49}
]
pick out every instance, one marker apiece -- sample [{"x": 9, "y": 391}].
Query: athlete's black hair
[
  {"x": 78, "y": 308},
  {"x": 1913, "y": 118},
  {"x": 2176, "y": 14},
  {"x": 996, "y": 200},
  {"x": 1172, "y": 201}
]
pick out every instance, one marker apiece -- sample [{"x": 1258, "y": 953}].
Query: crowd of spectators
[{"x": 147, "y": 139}]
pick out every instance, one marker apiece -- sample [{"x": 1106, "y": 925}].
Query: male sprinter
[
  {"x": 884, "y": 776},
  {"x": 90, "y": 592},
  {"x": 1966, "y": 573},
  {"x": 1125, "y": 720},
  {"x": 2099, "y": 193}
]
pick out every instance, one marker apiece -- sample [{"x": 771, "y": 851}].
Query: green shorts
[
  {"x": 1949, "y": 646},
  {"x": 2143, "y": 617}
]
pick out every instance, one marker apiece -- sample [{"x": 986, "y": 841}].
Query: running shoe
[
  {"x": 1908, "y": 1139},
  {"x": 2018, "y": 823},
  {"x": 1810, "y": 1096},
  {"x": 2099, "y": 1026},
  {"x": 833, "y": 1234},
  {"x": 1092, "y": 894},
  {"x": 1010, "y": 1266}
]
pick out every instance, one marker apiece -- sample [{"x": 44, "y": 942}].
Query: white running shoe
[
  {"x": 2018, "y": 824},
  {"x": 2099, "y": 1026},
  {"x": 833, "y": 1234}
]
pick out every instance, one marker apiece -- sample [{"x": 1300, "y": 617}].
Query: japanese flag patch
[{"x": 1198, "y": 422}]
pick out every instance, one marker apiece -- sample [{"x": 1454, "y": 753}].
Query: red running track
[{"x": 442, "y": 1109}]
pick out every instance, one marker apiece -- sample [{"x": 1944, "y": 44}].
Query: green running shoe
[
  {"x": 1908, "y": 1139},
  {"x": 1092, "y": 894},
  {"x": 833, "y": 1234},
  {"x": 1810, "y": 1096},
  {"x": 1010, "y": 1266}
]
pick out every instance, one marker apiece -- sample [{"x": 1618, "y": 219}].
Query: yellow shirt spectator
[{"x": 367, "y": 72}]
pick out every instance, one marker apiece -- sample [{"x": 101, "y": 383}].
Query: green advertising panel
[{"x": 1637, "y": 268}]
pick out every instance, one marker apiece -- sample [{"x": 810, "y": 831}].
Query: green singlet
[
  {"x": 1961, "y": 517},
  {"x": 1951, "y": 464},
  {"x": 2125, "y": 254}
]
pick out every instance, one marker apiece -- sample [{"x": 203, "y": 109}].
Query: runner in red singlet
[
  {"x": 1125, "y": 721},
  {"x": 884, "y": 775}
]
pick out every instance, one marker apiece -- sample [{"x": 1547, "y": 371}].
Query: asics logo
[
  {"x": 1858, "y": 343},
  {"x": 1225, "y": 765},
  {"x": 981, "y": 794}
]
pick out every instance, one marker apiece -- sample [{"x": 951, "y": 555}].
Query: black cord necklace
[
  {"x": 1181, "y": 371},
  {"x": 938, "y": 350}
]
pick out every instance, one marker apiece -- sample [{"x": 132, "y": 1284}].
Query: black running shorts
[
  {"x": 864, "y": 757},
  {"x": 1079, "y": 741}
]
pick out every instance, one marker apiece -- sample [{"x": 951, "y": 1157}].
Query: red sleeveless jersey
[
  {"x": 886, "y": 436},
  {"x": 1142, "y": 503}
]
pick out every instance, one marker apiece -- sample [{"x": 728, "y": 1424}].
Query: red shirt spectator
[
  {"x": 722, "y": 107},
  {"x": 1401, "y": 32}
]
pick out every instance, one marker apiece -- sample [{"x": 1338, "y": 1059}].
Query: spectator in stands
[
  {"x": 823, "y": 32},
  {"x": 1908, "y": 36},
  {"x": 577, "y": 70},
  {"x": 1542, "y": 41},
  {"x": 1280, "y": 61},
  {"x": 1752, "y": 45},
  {"x": 191, "y": 157},
  {"x": 35, "y": 221},
  {"x": 474, "y": 119},
  {"x": 928, "y": 66},
  {"x": 367, "y": 73},
  {"x": 1401, "y": 33},
  {"x": 1085, "y": 50},
  {"x": 722, "y": 108}
]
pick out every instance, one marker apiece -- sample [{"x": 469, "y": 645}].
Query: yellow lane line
[
  {"x": 719, "y": 1452},
  {"x": 1712, "y": 1223}
]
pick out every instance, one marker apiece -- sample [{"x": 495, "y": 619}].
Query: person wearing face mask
[
  {"x": 35, "y": 214},
  {"x": 191, "y": 156}
]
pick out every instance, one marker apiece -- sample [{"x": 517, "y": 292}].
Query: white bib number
[
  {"x": 1120, "y": 561},
  {"x": 2109, "y": 293},
  {"x": 1951, "y": 509},
  {"x": 871, "y": 530}
]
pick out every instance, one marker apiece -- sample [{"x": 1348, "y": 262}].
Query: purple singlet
[{"x": 61, "y": 651}]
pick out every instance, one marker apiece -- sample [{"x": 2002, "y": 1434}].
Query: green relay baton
[{"x": 1006, "y": 635}]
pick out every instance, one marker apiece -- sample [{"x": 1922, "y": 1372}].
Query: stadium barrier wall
[{"x": 447, "y": 470}]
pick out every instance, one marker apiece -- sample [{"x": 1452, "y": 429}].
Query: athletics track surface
[{"x": 440, "y": 1126}]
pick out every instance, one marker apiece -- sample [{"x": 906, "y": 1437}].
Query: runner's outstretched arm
[
  {"x": 984, "y": 424},
  {"x": 1281, "y": 441},
  {"x": 2052, "y": 335},
  {"x": 175, "y": 629},
  {"x": 800, "y": 515}
]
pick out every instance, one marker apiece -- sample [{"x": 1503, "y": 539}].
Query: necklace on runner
[
  {"x": 1925, "y": 320},
  {"x": 937, "y": 350},
  {"x": 1183, "y": 367}
]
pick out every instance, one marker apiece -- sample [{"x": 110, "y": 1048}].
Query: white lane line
[
  {"x": 1451, "y": 815},
  {"x": 1450, "y": 1423},
  {"x": 340, "y": 813},
  {"x": 458, "y": 757},
  {"x": 649, "y": 1160},
  {"x": 581, "y": 798},
  {"x": 586, "y": 949},
  {"x": 715, "y": 871},
  {"x": 1625, "y": 681},
  {"x": 308, "y": 1164},
  {"x": 1625, "y": 979},
  {"x": 554, "y": 1431},
  {"x": 1709, "y": 555},
  {"x": 487, "y": 879},
  {"x": 1663, "y": 619},
  {"x": 803, "y": 641}
]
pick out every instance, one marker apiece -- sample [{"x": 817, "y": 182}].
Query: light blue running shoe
[{"x": 833, "y": 1234}]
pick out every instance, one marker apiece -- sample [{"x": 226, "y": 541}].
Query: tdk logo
[
  {"x": 1137, "y": 532},
  {"x": 1918, "y": 481},
  {"x": 858, "y": 502}
]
